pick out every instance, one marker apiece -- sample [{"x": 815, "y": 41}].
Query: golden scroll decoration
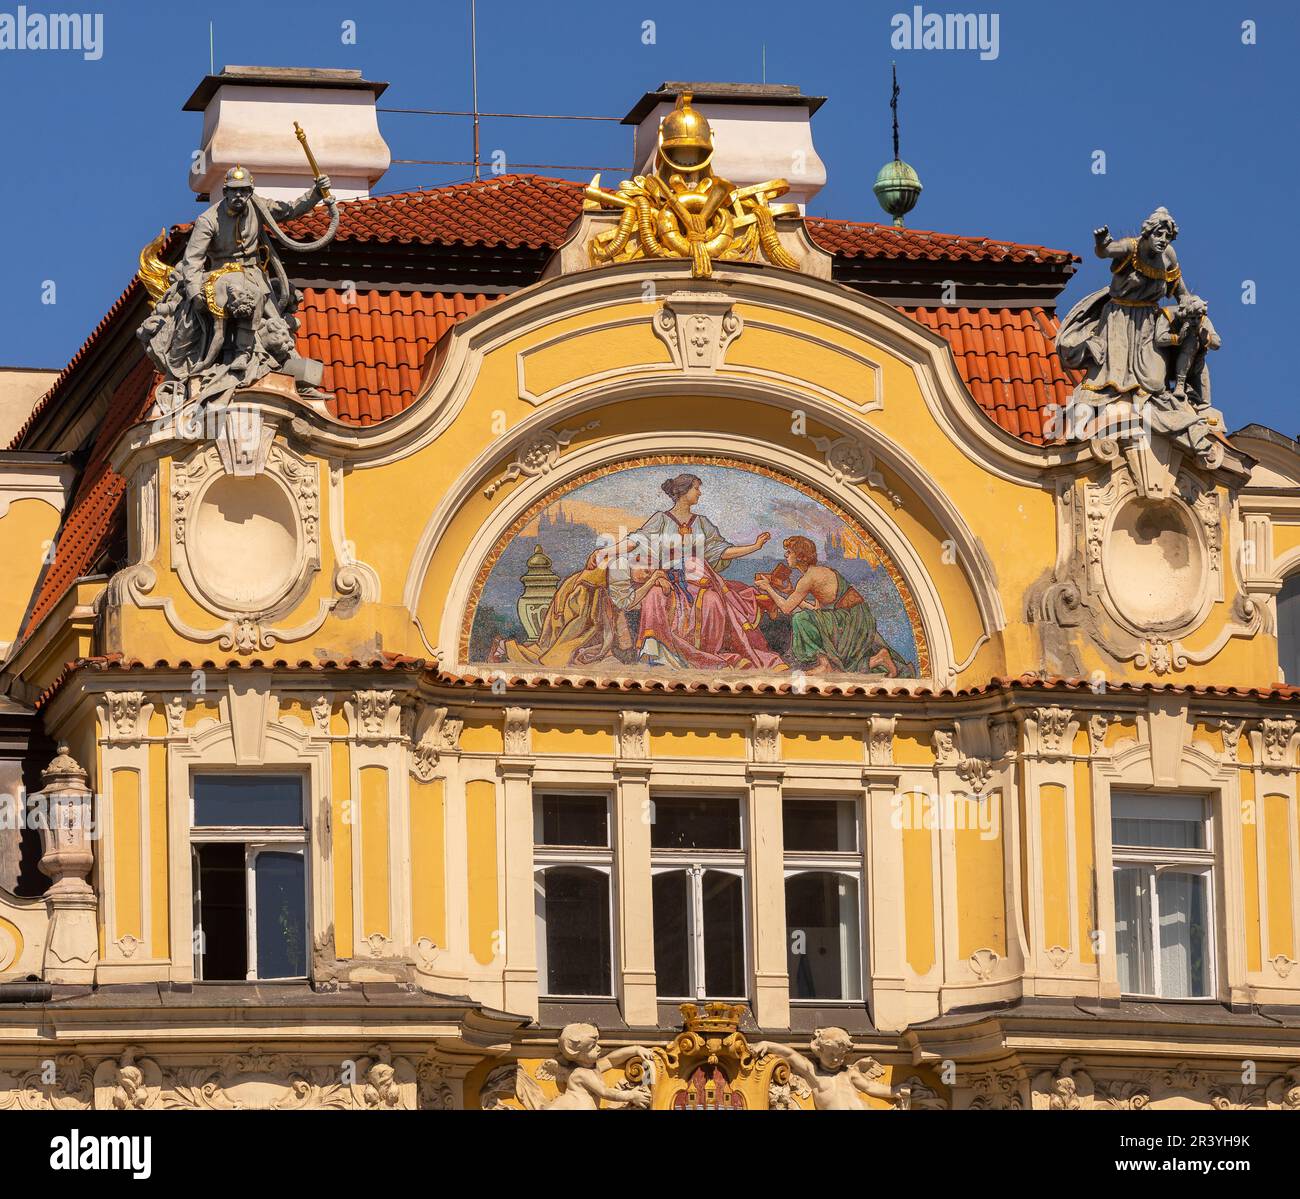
[
  {"x": 684, "y": 210},
  {"x": 154, "y": 273}
]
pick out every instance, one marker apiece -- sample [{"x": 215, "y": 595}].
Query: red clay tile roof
[
  {"x": 1006, "y": 359},
  {"x": 866, "y": 239},
  {"x": 374, "y": 344},
  {"x": 536, "y": 211},
  {"x": 374, "y": 347},
  {"x": 91, "y": 515},
  {"x": 509, "y": 210}
]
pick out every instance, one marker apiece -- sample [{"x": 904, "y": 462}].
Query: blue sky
[{"x": 1188, "y": 116}]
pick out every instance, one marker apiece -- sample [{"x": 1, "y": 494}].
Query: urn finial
[
  {"x": 898, "y": 186},
  {"x": 63, "y": 773}
]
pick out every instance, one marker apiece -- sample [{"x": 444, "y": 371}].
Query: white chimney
[
  {"x": 760, "y": 131},
  {"x": 248, "y": 118}
]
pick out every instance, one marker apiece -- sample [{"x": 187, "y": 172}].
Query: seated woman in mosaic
[{"x": 703, "y": 621}]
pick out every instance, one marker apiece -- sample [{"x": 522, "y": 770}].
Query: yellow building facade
[{"x": 399, "y": 797}]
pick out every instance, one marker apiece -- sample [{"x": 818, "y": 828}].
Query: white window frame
[
  {"x": 256, "y": 839},
  {"x": 695, "y": 862},
  {"x": 849, "y": 864},
  {"x": 1160, "y": 860},
  {"x": 589, "y": 857}
]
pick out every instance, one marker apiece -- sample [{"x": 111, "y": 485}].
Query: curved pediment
[
  {"x": 691, "y": 562},
  {"x": 564, "y": 384}
]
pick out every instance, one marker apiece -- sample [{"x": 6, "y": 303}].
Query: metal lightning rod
[{"x": 473, "y": 54}]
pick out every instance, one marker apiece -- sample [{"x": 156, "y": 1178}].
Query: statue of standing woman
[{"x": 1136, "y": 348}]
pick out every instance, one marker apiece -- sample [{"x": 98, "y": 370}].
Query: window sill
[
  {"x": 604, "y": 1012},
  {"x": 1127, "y": 998},
  {"x": 577, "y": 999},
  {"x": 245, "y": 982},
  {"x": 807, "y": 1016},
  {"x": 661, "y": 1000},
  {"x": 815, "y": 1003}
]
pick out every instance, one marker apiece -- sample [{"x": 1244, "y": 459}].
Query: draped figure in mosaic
[
  {"x": 832, "y": 627},
  {"x": 586, "y": 621}
]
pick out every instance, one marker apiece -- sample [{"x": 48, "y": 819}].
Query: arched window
[{"x": 1288, "y": 629}]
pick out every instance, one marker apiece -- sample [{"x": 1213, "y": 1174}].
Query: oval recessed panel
[
  {"x": 243, "y": 543},
  {"x": 1154, "y": 564}
]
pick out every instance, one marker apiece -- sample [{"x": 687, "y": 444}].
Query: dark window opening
[{"x": 223, "y": 912}]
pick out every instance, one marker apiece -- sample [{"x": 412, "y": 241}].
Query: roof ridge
[
  {"x": 908, "y": 231},
  {"x": 508, "y": 178}
]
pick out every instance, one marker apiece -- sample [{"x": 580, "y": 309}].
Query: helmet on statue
[
  {"x": 239, "y": 177},
  {"x": 685, "y": 139}
]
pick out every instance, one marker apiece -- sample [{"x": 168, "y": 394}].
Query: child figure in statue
[
  {"x": 836, "y": 1087},
  {"x": 579, "y": 1075}
]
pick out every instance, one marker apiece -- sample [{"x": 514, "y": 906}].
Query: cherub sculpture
[
  {"x": 834, "y": 1085},
  {"x": 578, "y": 1075},
  {"x": 1284, "y": 1092},
  {"x": 1186, "y": 338},
  {"x": 130, "y": 1092}
]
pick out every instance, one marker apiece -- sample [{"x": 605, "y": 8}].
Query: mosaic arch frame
[{"x": 885, "y": 577}]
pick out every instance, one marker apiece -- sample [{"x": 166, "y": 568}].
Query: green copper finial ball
[{"x": 898, "y": 188}]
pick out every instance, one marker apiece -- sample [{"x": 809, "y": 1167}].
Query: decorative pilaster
[
  {"x": 635, "y": 815},
  {"x": 767, "y": 862},
  {"x": 519, "y": 976},
  {"x": 379, "y": 734},
  {"x": 1052, "y": 850}
]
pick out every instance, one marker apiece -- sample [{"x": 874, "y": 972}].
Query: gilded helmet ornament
[
  {"x": 239, "y": 177},
  {"x": 685, "y": 139}
]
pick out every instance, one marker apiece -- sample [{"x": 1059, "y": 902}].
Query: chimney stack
[
  {"x": 761, "y": 131},
  {"x": 248, "y": 117}
]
